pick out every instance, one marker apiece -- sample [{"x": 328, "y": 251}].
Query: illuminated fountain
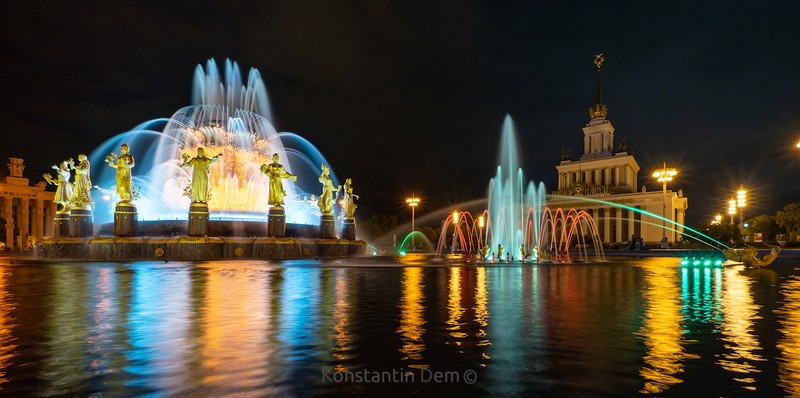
[
  {"x": 231, "y": 121},
  {"x": 518, "y": 220},
  {"x": 229, "y": 117}
]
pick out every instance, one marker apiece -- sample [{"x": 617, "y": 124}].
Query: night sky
[{"x": 409, "y": 96}]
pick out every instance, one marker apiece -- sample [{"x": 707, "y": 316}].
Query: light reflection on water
[
  {"x": 662, "y": 329},
  {"x": 412, "y": 317},
  {"x": 789, "y": 343},
  {"x": 264, "y": 329}
]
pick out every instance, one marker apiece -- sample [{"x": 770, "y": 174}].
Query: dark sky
[{"x": 410, "y": 96}]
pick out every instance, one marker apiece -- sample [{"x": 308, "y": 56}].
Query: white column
[
  {"x": 38, "y": 219},
  {"x": 9, "y": 216}
]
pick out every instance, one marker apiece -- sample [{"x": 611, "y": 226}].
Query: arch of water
[{"x": 229, "y": 117}]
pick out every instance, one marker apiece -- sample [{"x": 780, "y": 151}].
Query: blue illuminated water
[{"x": 299, "y": 328}]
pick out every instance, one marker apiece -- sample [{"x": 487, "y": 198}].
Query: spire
[{"x": 598, "y": 110}]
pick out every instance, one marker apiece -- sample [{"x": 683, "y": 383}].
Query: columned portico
[{"x": 27, "y": 209}]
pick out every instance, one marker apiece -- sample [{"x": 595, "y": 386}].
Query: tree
[
  {"x": 789, "y": 218},
  {"x": 724, "y": 233},
  {"x": 764, "y": 224}
]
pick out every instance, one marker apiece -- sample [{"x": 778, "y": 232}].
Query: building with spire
[{"x": 604, "y": 182}]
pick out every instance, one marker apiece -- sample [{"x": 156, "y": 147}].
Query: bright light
[
  {"x": 665, "y": 174},
  {"x": 481, "y": 222},
  {"x": 106, "y": 197},
  {"x": 732, "y": 207},
  {"x": 455, "y": 217},
  {"x": 741, "y": 198},
  {"x": 717, "y": 220},
  {"x": 413, "y": 201},
  {"x": 798, "y": 144}
]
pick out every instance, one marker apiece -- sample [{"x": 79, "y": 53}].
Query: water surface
[{"x": 307, "y": 328}]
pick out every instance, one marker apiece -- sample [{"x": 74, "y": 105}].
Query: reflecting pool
[{"x": 374, "y": 326}]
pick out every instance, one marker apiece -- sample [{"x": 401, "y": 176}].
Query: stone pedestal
[
  {"x": 81, "y": 224},
  {"x": 62, "y": 224},
  {"x": 276, "y": 224},
  {"x": 327, "y": 227},
  {"x": 125, "y": 219},
  {"x": 198, "y": 219},
  {"x": 349, "y": 228}
]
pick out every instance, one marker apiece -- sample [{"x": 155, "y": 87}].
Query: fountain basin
[{"x": 195, "y": 248}]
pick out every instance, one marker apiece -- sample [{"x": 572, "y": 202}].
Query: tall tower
[{"x": 598, "y": 135}]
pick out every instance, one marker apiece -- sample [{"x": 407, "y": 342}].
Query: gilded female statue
[
  {"x": 200, "y": 165},
  {"x": 326, "y": 197},
  {"x": 83, "y": 182},
  {"x": 276, "y": 173},
  {"x": 349, "y": 199},
  {"x": 123, "y": 163},
  {"x": 63, "y": 186}
]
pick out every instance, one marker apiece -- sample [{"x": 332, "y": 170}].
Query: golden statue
[
  {"x": 326, "y": 197},
  {"x": 349, "y": 199},
  {"x": 598, "y": 60},
  {"x": 200, "y": 165},
  {"x": 749, "y": 256},
  {"x": 123, "y": 163},
  {"x": 83, "y": 182},
  {"x": 63, "y": 186},
  {"x": 276, "y": 173}
]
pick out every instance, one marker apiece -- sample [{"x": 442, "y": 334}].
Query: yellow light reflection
[
  {"x": 7, "y": 348},
  {"x": 789, "y": 344},
  {"x": 234, "y": 328},
  {"x": 482, "y": 311},
  {"x": 454, "y": 309},
  {"x": 412, "y": 316},
  {"x": 341, "y": 322},
  {"x": 737, "y": 330},
  {"x": 662, "y": 330}
]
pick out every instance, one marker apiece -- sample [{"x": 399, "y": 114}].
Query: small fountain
[{"x": 518, "y": 220}]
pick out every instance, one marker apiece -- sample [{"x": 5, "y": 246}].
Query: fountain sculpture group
[
  {"x": 225, "y": 139},
  {"x": 74, "y": 226}
]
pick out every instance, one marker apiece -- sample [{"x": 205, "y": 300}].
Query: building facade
[
  {"x": 604, "y": 183},
  {"x": 26, "y": 211}
]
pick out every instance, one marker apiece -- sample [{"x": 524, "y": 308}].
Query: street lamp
[
  {"x": 664, "y": 175},
  {"x": 741, "y": 202},
  {"x": 413, "y": 202},
  {"x": 732, "y": 208},
  {"x": 455, "y": 229},
  {"x": 717, "y": 220},
  {"x": 481, "y": 224}
]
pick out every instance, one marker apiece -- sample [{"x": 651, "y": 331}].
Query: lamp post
[
  {"x": 732, "y": 208},
  {"x": 455, "y": 229},
  {"x": 664, "y": 175},
  {"x": 741, "y": 202},
  {"x": 481, "y": 223},
  {"x": 413, "y": 202},
  {"x": 732, "y": 211}
]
